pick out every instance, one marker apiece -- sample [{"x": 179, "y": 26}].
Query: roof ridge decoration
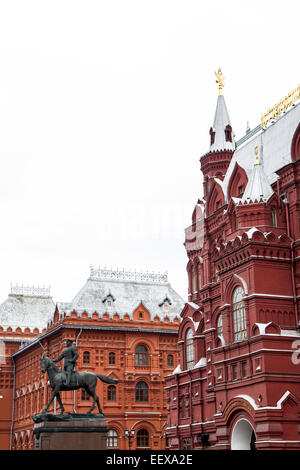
[
  {"x": 30, "y": 290},
  {"x": 280, "y": 107},
  {"x": 111, "y": 274}
]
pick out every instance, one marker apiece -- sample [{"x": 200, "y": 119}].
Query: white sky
[{"x": 105, "y": 108}]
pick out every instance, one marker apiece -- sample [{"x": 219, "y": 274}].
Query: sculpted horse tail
[{"x": 107, "y": 379}]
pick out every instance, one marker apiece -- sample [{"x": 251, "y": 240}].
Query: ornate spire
[{"x": 221, "y": 133}]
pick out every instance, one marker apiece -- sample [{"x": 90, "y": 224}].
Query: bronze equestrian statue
[
  {"x": 58, "y": 382},
  {"x": 70, "y": 356}
]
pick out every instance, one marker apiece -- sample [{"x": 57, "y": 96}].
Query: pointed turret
[
  {"x": 258, "y": 187},
  {"x": 215, "y": 162},
  {"x": 221, "y": 132}
]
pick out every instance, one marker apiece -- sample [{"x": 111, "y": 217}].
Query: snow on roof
[
  {"x": 258, "y": 187},
  {"x": 274, "y": 144},
  {"x": 27, "y": 307},
  {"x": 128, "y": 290}
]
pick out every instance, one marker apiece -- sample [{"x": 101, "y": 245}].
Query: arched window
[
  {"x": 239, "y": 315},
  {"x": 219, "y": 326},
  {"x": 142, "y": 438},
  {"x": 111, "y": 393},
  {"x": 111, "y": 358},
  {"x": 112, "y": 438},
  {"x": 170, "y": 360},
  {"x": 141, "y": 355},
  {"x": 189, "y": 348},
  {"x": 86, "y": 357},
  {"x": 141, "y": 392}
]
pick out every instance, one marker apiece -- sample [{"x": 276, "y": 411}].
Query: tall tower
[{"x": 215, "y": 162}]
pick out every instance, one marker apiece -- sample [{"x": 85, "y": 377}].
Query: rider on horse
[{"x": 70, "y": 356}]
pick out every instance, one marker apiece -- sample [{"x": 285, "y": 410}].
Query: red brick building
[
  {"x": 125, "y": 325},
  {"x": 238, "y": 382}
]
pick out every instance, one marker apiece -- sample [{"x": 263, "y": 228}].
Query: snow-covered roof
[
  {"x": 27, "y": 307},
  {"x": 258, "y": 187},
  {"x": 128, "y": 290},
  {"x": 274, "y": 144}
]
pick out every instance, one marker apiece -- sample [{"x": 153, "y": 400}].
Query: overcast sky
[{"x": 105, "y": 108}]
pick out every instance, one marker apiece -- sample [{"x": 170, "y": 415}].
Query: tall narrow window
[
  {"x": 111, "y": 358},
  {"x": 86, "y": 357},
  {"x": 193, "y": 280},
  {"x": 112, "y": 438},
  {"x": 219, "y": 326},
  {"x": 199, "y": 277},
  {"x": 170, "y": 360},
  {"x": 239, "y": 315},
  {"x": 189, "y": 347},
  {"x": 142, "y": 438},
  {"x": 141, "y": 392},
  {"x": 111, "y": 393},
  {"x": 141, "y": 355},
  {"x": 273, "y": 217}
]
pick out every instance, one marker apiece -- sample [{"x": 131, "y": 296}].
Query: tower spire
[{"x": 221, "y": 132}]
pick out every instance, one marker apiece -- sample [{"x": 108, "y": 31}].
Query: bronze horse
[{"x": 86, "y": 380}]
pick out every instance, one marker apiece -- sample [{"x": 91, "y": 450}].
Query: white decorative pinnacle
[
  {"x": 127, "y": 275},
  {"x": 30, "y": 291}
]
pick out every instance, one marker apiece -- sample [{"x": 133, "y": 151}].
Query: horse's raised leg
[
  {"x": 60, "y": 403},
  {"x": 54, "y": 393}
]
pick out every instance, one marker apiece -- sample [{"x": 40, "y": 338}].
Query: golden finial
[
  {"x": 220, "y": 80},
  {"x": 256, "y": 154}
]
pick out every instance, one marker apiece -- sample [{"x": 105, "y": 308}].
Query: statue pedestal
[{"x": 70, "y": 432}]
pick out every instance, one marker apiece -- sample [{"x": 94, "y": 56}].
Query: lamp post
[
  {"x": 1, "y": 394},
  {"x": 129, "y": 435}
]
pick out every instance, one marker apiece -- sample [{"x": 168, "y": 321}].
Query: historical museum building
[
  {"x": 124, "y": 325},
  {"x": 237, "y": 385}
]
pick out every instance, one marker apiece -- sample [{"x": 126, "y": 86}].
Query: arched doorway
[{"x": 243, "y": 436}]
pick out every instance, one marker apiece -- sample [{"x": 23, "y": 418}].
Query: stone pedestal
[{"x": 70, "y": 432}]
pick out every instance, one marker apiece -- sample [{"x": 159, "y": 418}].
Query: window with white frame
[
  {"x": 239, "y": 315},
  {"x": 189, "y": 347},
  {"x": 112, "y": 438}
]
